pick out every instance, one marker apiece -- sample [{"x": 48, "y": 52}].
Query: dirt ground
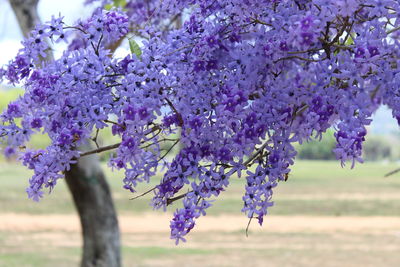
[
  {"x": 158, "y": 223},
  {"x": 216, "y": 241}
]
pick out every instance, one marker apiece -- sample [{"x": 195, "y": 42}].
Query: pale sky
[{"x": 10, "y": 34}]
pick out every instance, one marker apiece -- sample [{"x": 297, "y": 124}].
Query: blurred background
[{"x": 324, "y": 215}]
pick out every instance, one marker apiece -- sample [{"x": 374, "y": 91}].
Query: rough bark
[
  {"x": 92, "y": 197},
  {"x": 86, "y": 181},
  {"x": 26, "y": 13}
]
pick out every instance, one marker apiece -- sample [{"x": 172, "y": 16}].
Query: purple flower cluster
[{"x": 233, "y": 89}]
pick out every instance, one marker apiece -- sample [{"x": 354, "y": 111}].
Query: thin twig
[
  {"x": 249, "y": 160},
  {"x": 248, "y": 226},
  {"x": 145, "y": 193},
  {"x": 392, "y": 172},
  {"x": 101, "y": 149},
  {"x": 176, "y": 111},
  {"x": 393, "y": 30}
]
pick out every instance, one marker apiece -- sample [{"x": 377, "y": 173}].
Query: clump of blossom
[{"x": 231, "y": 90}]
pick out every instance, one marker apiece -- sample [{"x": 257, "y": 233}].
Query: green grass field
[
  {"x": 314, "y": 190},
  {"x": 337, "y": 191}
]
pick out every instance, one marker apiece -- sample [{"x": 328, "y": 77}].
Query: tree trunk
[
  {"x": 26, "y": 13},
  {"x": 92, "y": 197},
  {"x": 86, "y": 181}
]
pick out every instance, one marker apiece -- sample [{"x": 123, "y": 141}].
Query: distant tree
[
  {"x": 377, "y": 148},
  {"x": 318, "y": 150}
]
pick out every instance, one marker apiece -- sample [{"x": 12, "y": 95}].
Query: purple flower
[
  {"x": 120, "y": 164},
  {"x": 76, "y": 134},
  {"x": 283, "y": 46},
  {"x": 39, "y": 95},
  {"x": 250, "y": 133},
  {"x": 9, "y": 152},
  {"x": 260, "y": 130},
  {"x": 316, "y": 103},
  {"x": 211, "y": 41},
  {"x": 64, "y": 139},
  {"x": 34, "y": 194},
  {"x": 373, "y": 51},
  {"x": 143, "y": 113},
  {"x": 273, "y": 158},
  {"x": 306, "y": 38},
  {"x": 251, "y": 119},
  {"x": 129, "y": 112},
  {"x": 13, "y": 109},
  {"x": 55, "y": 125},
  {"x": 117, "y": 129},
  {"x": 192, "y": 24},
  {"x": 129, "y": 142},
  {"x": 360, "y": 52},
  {"x": 230, "y": 104},
  {"x": 198, "y": 66},
  {"x": 306, "y": 22},
  {"x": 195, "y": 123},
  {"x": 234, "y": 37},
  {"x": 76, "y": 44},
  {"x": 36, "y": 123},
  {"x": 205, "y": 150},
  {"x": 212, "y": 64},
  {"x": 170, "y": 120},
  {"x": 224, "y": 154}
]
